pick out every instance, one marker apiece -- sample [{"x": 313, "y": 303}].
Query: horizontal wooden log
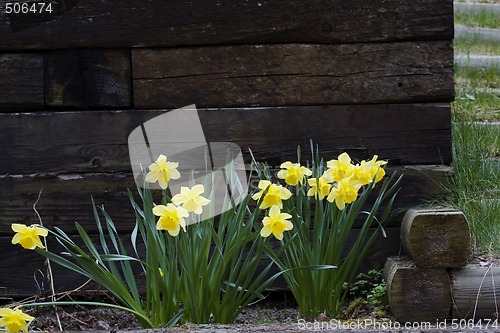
[
  {"x": 417, "y": 294},
  {"x": 88, "y": 78},
  {"x": 66, "y": 198},
  {"x": 23, "y": 273},
  {"x": 125, "y": 23},
  {"x": 476, "y": 292},
  {"x": 436, "y": 237},
  {"x": 82, "y": 142},
  {"x": 21, "y": 81},
  {"x": 293, "y": 74}
]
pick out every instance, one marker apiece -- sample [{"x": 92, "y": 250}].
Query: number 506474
[{"x": 27, "y": 8}]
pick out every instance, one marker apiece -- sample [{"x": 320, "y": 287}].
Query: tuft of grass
[
  {"x": 475, "y": 188},
  {"x": 482, "y": 19}
]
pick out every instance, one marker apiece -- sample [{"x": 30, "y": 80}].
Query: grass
[
  {"x": 475, "y": 187},
  {"x": 483, "y": 19},
  {"x": 477, "y": 97},
  {"x": 476, "y": 46}
]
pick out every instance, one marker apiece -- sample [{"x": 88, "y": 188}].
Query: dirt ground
[
  {"x": 275, "y": 310},
  {"x": 276, "y": 314}
]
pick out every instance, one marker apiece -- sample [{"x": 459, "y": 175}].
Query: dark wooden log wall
[{"x": 367, "y": 77}]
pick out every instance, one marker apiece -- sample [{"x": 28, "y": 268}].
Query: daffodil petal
[
  {"x": 265, "y": 231},
  {"x": 17, "y": 227},
  {"x": 160, "y": 210},
  {"x": 279, "y": 236}
]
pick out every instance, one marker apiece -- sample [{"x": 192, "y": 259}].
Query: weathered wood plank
[
  {"x": 126, "y": 23},
  {"x": 88, "y": 78},
  {"x": 74, "y": 142},
  {"x": 66, "y": 198},
  {"x": 22, "y": 272},
  {"x": 476, "y": 292},
  {"x": 21, "y": 81},
  {"x": 293, "y": 74},
  {"x": 417, "y": 294},
  {"x": 436, "y": 237}
]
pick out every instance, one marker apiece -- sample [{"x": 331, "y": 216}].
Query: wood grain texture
[
  {"x": 66, "y": 198},
  {"x": 23, "y": 273},
  {"x": 88, "y": 78},
  {"x": 21, "y": 81},
  {"x": 436, "y": 237},
  {"x": 83, "y": 142},
  {"x": 475, "y": 291},
  {"x": 126, "y": 23},
  {"x": 293, "y": 74},
  {"x": 417, "y": 294}
]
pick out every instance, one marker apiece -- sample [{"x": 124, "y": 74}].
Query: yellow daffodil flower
[
  {"x": 377, "y": 169},
  {"x": 365, "y": 172},
  {"x": 293, "y": 173},
  {"x": 162, "y": 171},
  {"x": 274, "y": 195},
  {"x": 319, "y": 188},
  {"x": 191, "y": 199},
  {"x": 362, "y": 172},
  {"x": 345, "y": 192},
  {"x": 28, "y": 237},
  {"x": 14, "y": 320},
  {"x": 340, "y": 168},
  {"x": 276, "y": 223},
  {"x": 171, "y": 218}
]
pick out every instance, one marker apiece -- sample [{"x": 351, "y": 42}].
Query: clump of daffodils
[
  {"x": 312, "y": 215},
  {"x": 322, "y": 201},
  {"x": 340, "y": 183}
]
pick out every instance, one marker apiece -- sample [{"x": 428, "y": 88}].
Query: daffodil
[
  {"x": 14, "y": 320},
  {"x": 162, "y": 171},
  {"x": 363, "y": 172},
  {"x": 345, "y": 192},
  {"x": 293, "y": 173},
  {"x": 276, "y": 223},
  {"x": 319, "y": 187},
  {"x": 340, "y": 168},
  {"x": 171, "y": 218},
  {"x": 367, "y": 171},
  {"x": 274, "y": 196},
  {"x": 377, "y": 171},
  {"x": 191, "y": 199},
  {"x": 28, "y": 237}
]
